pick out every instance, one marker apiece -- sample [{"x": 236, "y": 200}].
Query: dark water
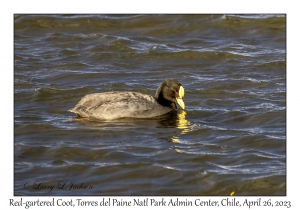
[{"x": 231, "y": 137}]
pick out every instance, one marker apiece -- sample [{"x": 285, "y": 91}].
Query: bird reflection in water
[{"x": 175, "y": 120}]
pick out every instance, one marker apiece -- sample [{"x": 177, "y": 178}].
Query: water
[{"x": 231, "y": 137}]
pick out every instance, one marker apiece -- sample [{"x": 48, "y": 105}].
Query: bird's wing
[{"x": 112, "y": 105}]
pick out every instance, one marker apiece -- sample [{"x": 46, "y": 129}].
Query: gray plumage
[{"x": 114, "y": 105}]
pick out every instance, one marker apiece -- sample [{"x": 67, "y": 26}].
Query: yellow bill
[{"x": 179, "y": 100}]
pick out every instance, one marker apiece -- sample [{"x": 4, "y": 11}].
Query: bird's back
[{"x": 113, "y": 105}]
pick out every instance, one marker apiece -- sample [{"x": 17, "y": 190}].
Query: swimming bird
[{"x": 116, "y": 104}]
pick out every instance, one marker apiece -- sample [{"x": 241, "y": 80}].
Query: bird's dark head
[{"x": 170, "y": 91}]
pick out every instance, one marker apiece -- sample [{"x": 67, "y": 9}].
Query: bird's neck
[{"x": 162, "y": 101}]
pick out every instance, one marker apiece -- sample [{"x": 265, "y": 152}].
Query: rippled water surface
[{"x": 231, "y": 137}]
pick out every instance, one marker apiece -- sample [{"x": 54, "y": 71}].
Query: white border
[{"x": 155, "y": 6}]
